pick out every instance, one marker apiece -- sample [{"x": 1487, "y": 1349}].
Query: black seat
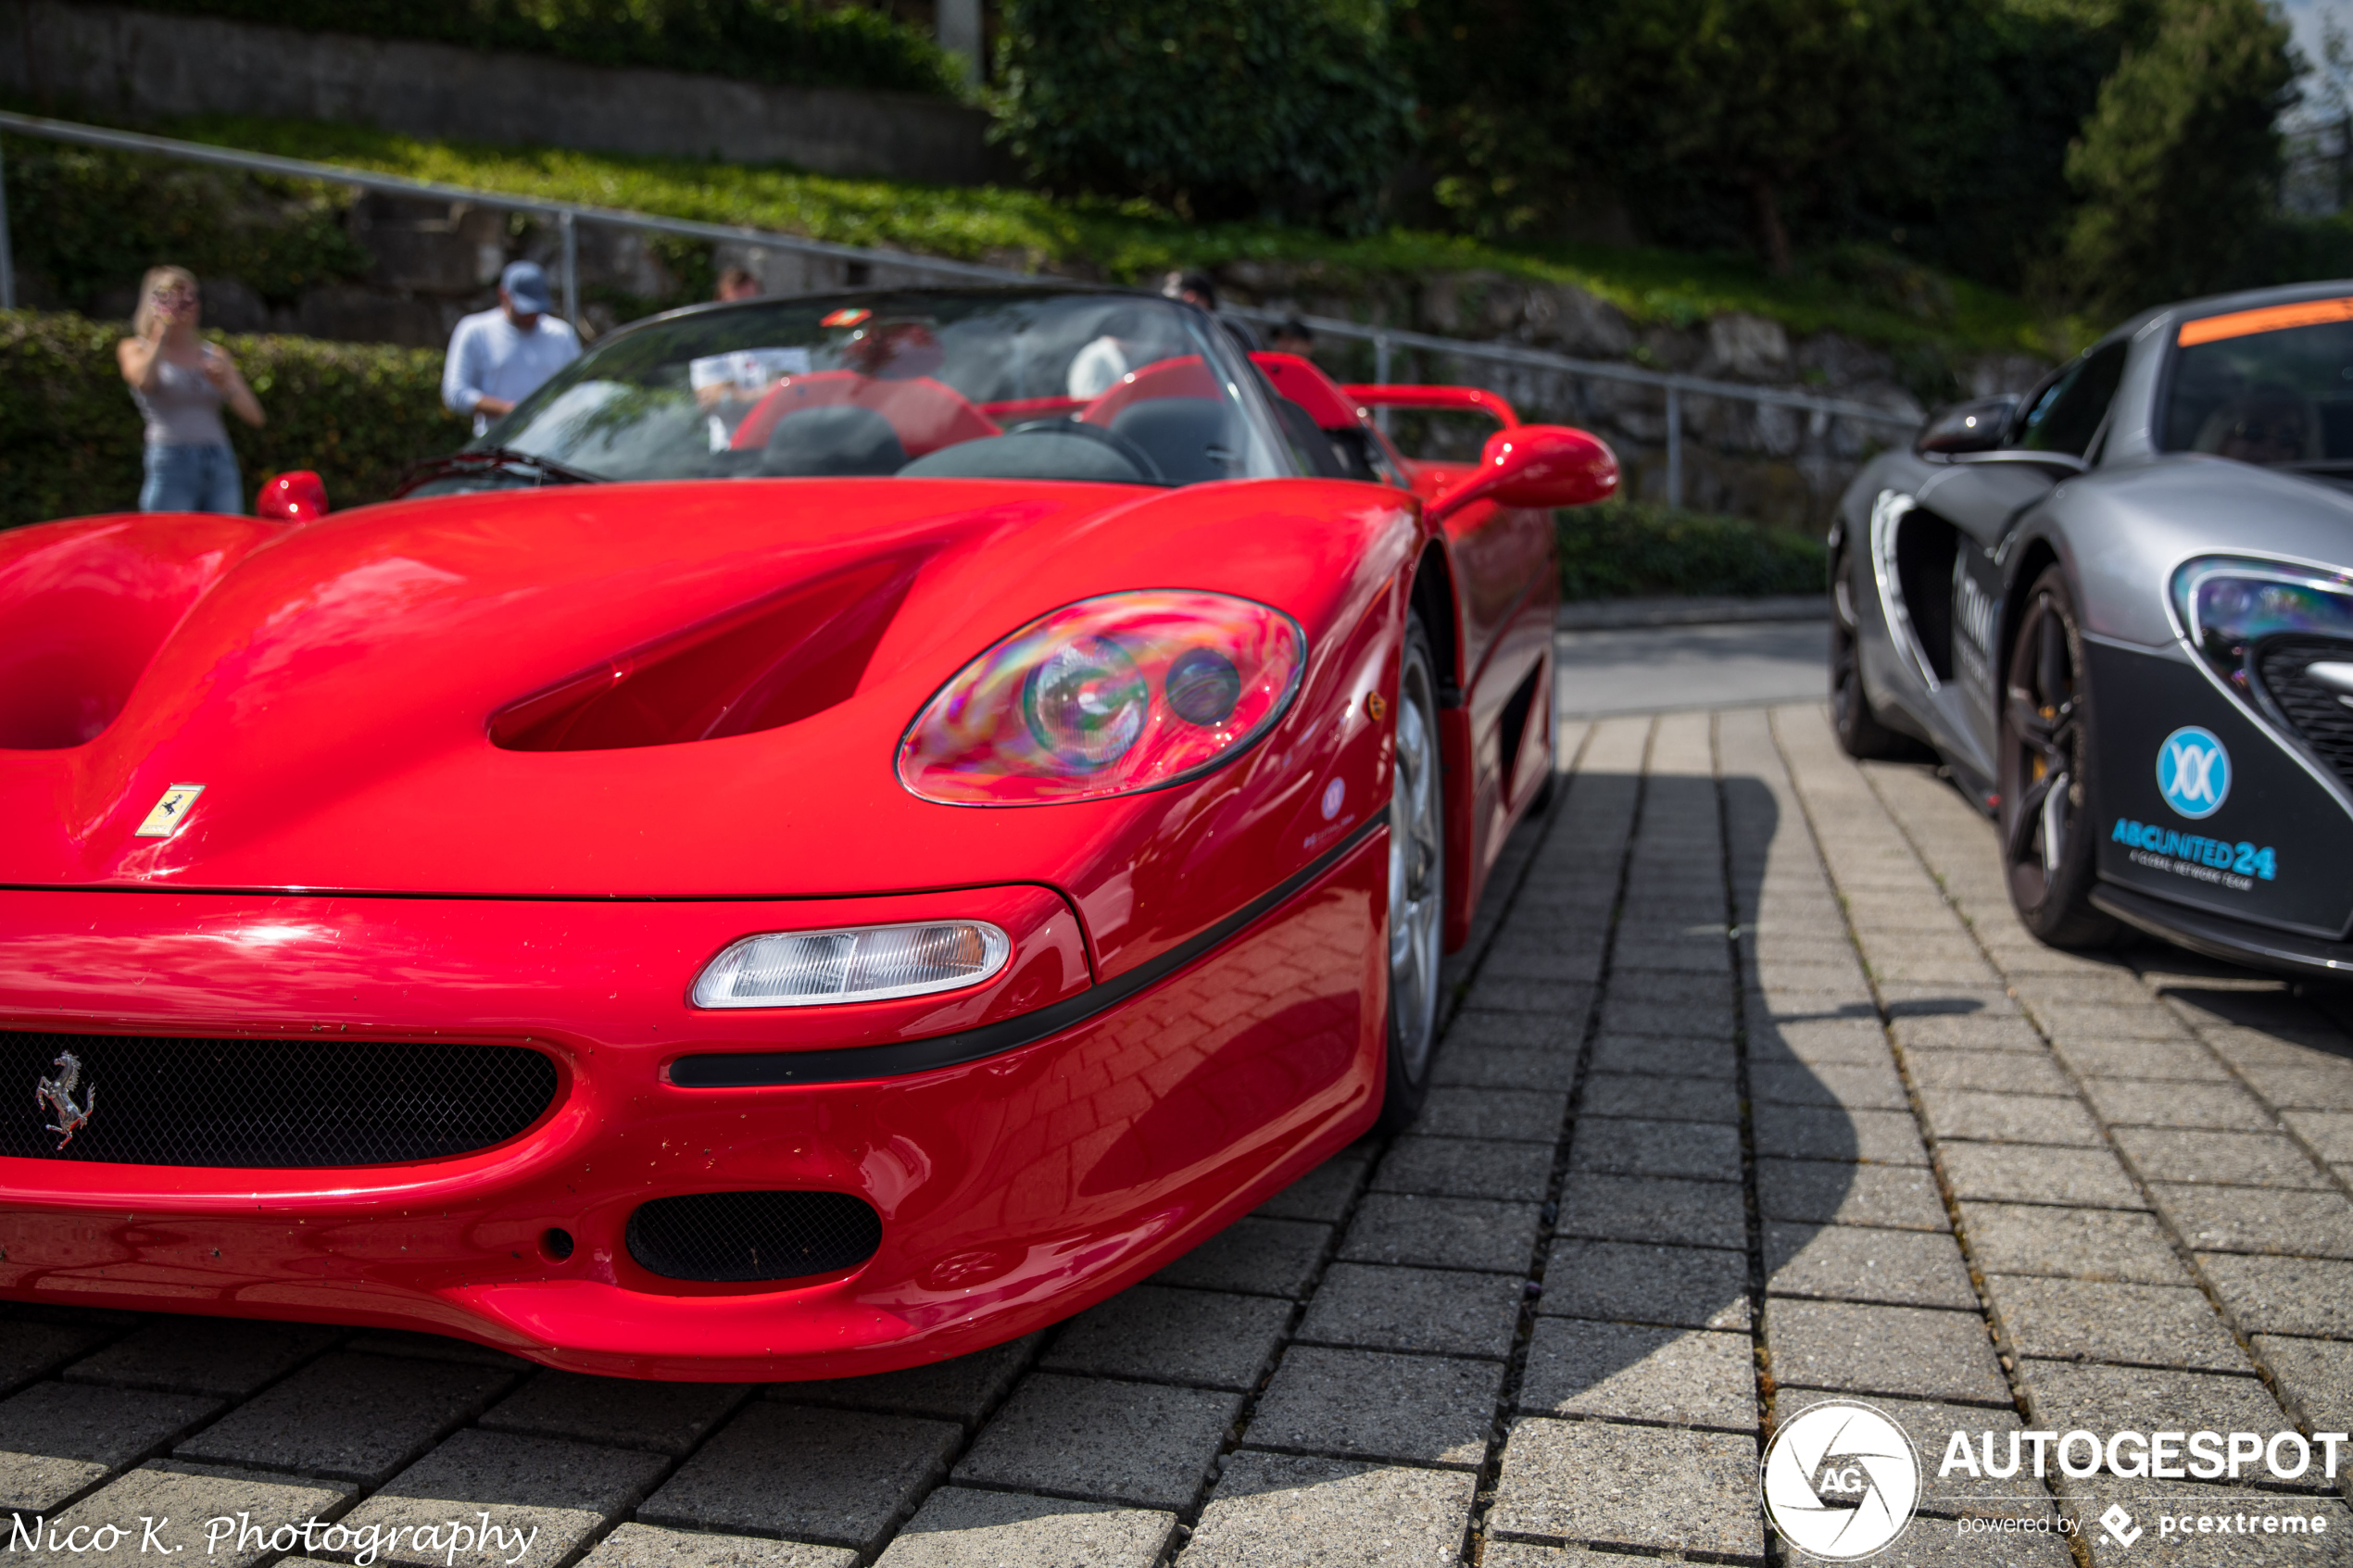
[
  {"x": 843, "y": 440},
  {"x": 1190, "y": 440}
]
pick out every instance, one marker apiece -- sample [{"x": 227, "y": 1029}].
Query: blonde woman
[{"x": 179, "y": 382}]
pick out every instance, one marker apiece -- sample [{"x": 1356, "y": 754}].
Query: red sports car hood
[{"x": 424, "y": 697}]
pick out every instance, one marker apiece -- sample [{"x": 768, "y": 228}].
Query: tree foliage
[
  {"x": 1217, "y": 108},
  {"x": 2096, "y": 150},
  {"x": 2178, "y": 164}
]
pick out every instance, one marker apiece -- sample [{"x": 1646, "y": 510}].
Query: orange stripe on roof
[{"x": 2271, "y": 318}]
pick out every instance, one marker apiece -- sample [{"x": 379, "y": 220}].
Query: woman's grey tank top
[{"x": 183, "y": 409}]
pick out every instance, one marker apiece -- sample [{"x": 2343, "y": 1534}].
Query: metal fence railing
[{"x": 567, "y": 216}]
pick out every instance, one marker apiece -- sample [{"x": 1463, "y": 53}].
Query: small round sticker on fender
[{"x": 2194, "y": 772}]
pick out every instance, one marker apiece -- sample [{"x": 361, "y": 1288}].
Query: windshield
[
  {"x": 2273, "y": 386},
  {"x": 964, "y": 384}
]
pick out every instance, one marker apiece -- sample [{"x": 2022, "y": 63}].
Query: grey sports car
[{"x": 2120, "y": 609}]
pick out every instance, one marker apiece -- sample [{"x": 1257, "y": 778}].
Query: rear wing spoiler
[{"x": 1454, "y": 399}]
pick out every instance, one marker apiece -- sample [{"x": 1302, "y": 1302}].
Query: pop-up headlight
[
  {"x": 1106, "y": 697},
  {"x": 799, "y": 969}
]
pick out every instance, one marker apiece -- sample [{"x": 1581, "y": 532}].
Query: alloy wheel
[
  {"x": 1417, "y": 870},
  {"x": 2043, "y": 730}
]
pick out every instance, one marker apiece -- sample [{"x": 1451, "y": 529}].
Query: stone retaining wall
[{"x": 137, "y": 64}]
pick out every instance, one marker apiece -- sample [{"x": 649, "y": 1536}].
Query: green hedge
[
  {"x": 70, "y": 437},
  {"x": 785, "y": 41},
  {"x": 86, "y": 219},
  {"x": 1627, "y": 549}
]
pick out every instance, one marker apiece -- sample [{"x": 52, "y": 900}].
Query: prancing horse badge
[{"x": 170, "y": 813}]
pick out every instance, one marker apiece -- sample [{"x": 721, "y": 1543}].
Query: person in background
[
  {"x": 737, "y": 284},
  {"x": 498, "y": 358},
  {"x": 179, "y": 382},
  {"x": 1197, "y": 288},
  {"x": 1292, "y": 337}
]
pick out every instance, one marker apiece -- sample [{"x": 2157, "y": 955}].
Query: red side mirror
[
  {"x": 1541, "y": 466},
  {"x": 300, "y": 497}
]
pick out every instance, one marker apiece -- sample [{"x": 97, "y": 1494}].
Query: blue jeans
[{"x": 192, "y": 479}]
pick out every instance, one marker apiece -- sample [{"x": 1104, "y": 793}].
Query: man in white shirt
[{"x": 498, "y": 358}]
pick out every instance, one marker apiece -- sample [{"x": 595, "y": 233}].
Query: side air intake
[{"x": 741, "y": 1237}]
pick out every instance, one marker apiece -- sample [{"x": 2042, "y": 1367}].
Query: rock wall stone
[
  {"x": 136, "y": 63},
  {"x": 1776, "y": 464}
]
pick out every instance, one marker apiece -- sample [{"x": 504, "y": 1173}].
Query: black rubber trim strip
[
  {"x": 2219, "y": 936},
  {"x": 754, "y": 1069}
]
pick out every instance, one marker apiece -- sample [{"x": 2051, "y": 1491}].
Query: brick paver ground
[{"x": 1753, "y": 1093}]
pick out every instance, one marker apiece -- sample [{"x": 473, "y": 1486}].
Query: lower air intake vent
[
  {"x": 141, "y": 1100},
  {"x": 2325, "y": 723},
  {"x": 741, "y": 1236}
]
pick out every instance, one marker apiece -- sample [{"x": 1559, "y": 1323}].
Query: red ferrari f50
[{"x": 842, "y": 832}]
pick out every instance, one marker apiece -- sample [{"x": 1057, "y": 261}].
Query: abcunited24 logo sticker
[{"x": 1839, "y": 1480}]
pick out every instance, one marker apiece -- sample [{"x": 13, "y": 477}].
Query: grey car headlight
[{"x": 2225, "y": 607}]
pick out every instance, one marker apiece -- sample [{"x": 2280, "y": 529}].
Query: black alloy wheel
[
  {"x": 2045, "y": 773},
  {"x": 1416, "y": 884},
  {"x": 1860, "y": 734}
]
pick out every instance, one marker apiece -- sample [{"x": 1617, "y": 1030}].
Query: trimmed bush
[
  {"x": 88, "y": 219},
  {"x": 1628, "y": 549},
  {"x": 70, "y": 436},
  {"x": 783, "y": 41}
]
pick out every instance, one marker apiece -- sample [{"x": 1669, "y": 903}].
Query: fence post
[
  {"x": 572, "y": 272},
  {"x": 1381, "y": 376},
  {"x": 1674, "y": 447},
  {"x": 7, "y": 256},
  {"x": 958, "y": 25}
]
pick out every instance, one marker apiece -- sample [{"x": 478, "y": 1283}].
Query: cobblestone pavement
[{"x": 1756, "y": 1092}]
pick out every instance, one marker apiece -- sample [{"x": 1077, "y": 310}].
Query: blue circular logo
[{"x": 2194, "y": 772}]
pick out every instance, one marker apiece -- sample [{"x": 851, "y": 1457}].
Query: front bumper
[
  {"x": 1013, "y": 1189},
  {"x": 2234, "y": 941}
]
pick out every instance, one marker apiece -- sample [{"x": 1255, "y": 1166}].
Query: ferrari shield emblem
[{"x": 170, "y": 812}]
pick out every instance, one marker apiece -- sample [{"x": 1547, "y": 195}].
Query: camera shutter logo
[
  {"x": 1841, "y": 1480},
  {"x": 2194, "y": 772}
]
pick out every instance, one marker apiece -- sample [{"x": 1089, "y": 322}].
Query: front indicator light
[
  {"x": 1106, "y": 697},
  {"x": 875, "y": 963}
]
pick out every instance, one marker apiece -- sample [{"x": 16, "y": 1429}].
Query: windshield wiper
[{"x": 475, "y": 458}]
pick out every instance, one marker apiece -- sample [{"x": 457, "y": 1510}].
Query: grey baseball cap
[{"x": 526, "y": 286}]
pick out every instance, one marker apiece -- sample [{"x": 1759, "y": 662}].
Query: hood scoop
[{"x": 759, "y": 666}]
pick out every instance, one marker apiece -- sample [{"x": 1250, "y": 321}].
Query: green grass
[{"x": 1882, "y": 300}]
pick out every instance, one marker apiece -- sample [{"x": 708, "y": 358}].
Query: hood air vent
[{"x": 758, "y": 667}]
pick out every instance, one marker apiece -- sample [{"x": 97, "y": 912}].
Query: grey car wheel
[{"x": 1416, "y": 884}]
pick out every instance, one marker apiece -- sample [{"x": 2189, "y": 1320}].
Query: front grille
[
  {"x": 273, "y": 1103},
  {"x": 742, "y": 1236},
  {"x": 2325, "y": 723}
]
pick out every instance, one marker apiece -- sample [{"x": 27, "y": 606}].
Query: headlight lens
[
  {"x": 2227, "y": 606},
  {"x": 874, "y": 963},
  {"x": 1106, "y": 697}
]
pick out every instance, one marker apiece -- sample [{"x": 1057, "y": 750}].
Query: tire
[
  {"x": 1416, "y": 886},
  {"x": 1860, "y": 734},
  {"x": 1540, "y": 803},
  {"x": 2045, "y": 774}
]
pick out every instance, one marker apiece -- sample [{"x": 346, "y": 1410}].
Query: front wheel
[
  {"x": 1416, "y": 884},
  {"x": 2045, "y": 773}
]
